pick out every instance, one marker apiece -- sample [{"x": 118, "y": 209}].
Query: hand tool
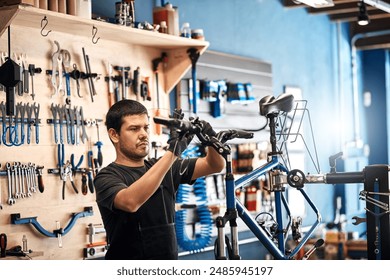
[
  {"x": 358, "y": 220},
  {"x": 22, "y": 110},
  {"x": 33, "y": 176},
  {"x": 18, "y": 179},
  {"x": 41, "y": 186},
  {"x": 18, "y": 60},
  {"x": 3, "y": 245},
  {"x": 68, "y": 125},
  {"x": 61, "y": 115},
  {"x": 76, "y": 74},
  {"x": 99, "y": 145},
  {"x": 25, "y": 73},
  {"x": 84, "y": 135},
  {"x": 194, "y": 54},
  {"x": 78, "y": 124},
  {"x": 65, "y": 170},
  {"x": 14, "y": 176},
  {"x": 72, "y": 115},
  {"x": 84, "y": 187},
  {"x": 316, "y": 245},
  {"x": 75, "y": 167},
  {"x": 36, "y": 122},
  {"x": 124, "y": 77},
  {"x": 89, "y": 76},
  {"x": 9, "y": 77},
  {"x": 136, "y": 82},
  {"x": 26, "y": 177},
  {"x": 90, "y": 169},
  {"x": 32, "y": 71},
  {"x": 66, "y": 58},
  {"x": 56, "y": 68},
  {"x": 55, "y": 112},
  {"x": 110, "y": 81},
  {"x": 29, "y": 110},
  {"x": 155, "y": 64},
  {"x": 11, "y": 200}
]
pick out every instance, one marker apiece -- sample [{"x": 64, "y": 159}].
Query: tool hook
[
  {"x": 94, "y": 32},
  {"x": 44, "y": 23}
]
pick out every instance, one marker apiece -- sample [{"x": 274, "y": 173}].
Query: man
[{"x": 136, "y": 196}]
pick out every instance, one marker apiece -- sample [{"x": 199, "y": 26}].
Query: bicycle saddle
[{"x": 271, "y": 105}]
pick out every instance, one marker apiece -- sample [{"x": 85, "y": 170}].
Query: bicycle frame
[
  {"x": 278, "y": 178},
  {"x": 278, "y": 252}
]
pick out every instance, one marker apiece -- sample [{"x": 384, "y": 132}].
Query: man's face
[{"x": 133, "y": 139}]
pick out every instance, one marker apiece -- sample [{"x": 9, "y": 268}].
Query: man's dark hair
[{"x": 121, "y": 109}]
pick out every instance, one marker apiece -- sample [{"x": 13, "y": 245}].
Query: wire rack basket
[{"x": 295, "y": 134}]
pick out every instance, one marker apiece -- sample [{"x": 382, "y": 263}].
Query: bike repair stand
[
  {"x": 231, "y": 211},
  {"x": 376, "y": 183}
]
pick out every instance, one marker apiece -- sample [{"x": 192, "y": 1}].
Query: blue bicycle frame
[
  {"x": 278, "y": 178},
  {"x": 278, "y": 252}
]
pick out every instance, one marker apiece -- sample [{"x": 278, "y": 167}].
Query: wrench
[
  {"x": 28, "y": 183},
  {"x": 10, "y": 198},
  {"x": 21, "y": 184},
  {"x": 358, "y": 220},
  {"x": 15, "y": 181},
  {"x": 31, "y": 177},
  {"x": 55, "y": 67}
]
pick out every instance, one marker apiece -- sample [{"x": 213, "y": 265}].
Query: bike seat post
[{"x": 272, "y": 127}]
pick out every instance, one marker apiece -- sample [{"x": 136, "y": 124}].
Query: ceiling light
[
  {"x": 363, "y": 18},
  {"x": 316, "y": 3}
]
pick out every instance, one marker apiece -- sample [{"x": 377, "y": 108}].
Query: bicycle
[{"x": 274, "y": 235}]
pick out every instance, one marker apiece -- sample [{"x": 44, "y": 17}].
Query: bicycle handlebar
[
  {"x": 182, "y": 125},
  {"x": 195, "y": 127}
]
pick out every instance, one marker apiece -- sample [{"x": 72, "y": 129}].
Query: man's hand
[
  {"x": 178, "y": 143},
  {"x": 207, "y": 129}
]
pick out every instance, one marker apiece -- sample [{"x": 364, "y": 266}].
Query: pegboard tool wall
[{"x": 49, "y": 207}]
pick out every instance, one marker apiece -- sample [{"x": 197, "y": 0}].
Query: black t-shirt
[{"x": 148, "y": 233}]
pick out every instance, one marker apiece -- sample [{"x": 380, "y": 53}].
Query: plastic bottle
[
  {"x": 163, "y": 27},
  {"x": 185, "y": 30}
]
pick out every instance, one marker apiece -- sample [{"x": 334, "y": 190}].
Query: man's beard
[{"x": 134, "y": 154}]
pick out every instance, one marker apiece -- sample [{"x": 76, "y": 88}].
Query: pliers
[
  {"x": 65, "y": 170},
  {"x": 75, "y": 167}
]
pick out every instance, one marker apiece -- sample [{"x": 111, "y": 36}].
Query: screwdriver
[
  {"x": 99, "y": 145},
  {"x": 3, "y": 245}
]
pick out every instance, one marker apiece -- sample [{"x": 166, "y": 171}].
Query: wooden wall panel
[{"x": 48, "y": 206}]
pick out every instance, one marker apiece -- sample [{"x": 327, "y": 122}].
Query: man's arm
[
  {"x": 130, "y": 199},
  {"x": 210, "y": 164}
]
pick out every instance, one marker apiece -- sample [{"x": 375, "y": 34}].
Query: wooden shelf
[{"x": 178, "y": 65}]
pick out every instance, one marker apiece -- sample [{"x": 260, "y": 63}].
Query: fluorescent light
[{"x": 316, "y": 3}]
